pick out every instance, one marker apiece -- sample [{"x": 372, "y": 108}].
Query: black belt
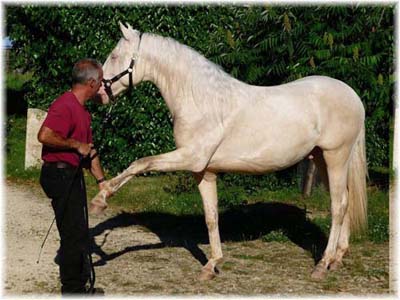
[{"x": 59, "y": 165}]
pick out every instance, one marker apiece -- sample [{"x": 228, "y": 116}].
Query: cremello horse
[{"x": 224, "y": 125}]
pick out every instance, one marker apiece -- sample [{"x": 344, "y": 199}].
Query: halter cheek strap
[{"x": 108, "y": 82}]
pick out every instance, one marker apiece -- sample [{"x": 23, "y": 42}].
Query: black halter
[{"x": 109, "y": 82}]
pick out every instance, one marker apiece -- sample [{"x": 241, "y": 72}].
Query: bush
[
  {"x": 262, "y": 45},
  {"x": 16, "y": 87}
]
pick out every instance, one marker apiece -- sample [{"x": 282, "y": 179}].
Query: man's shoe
[{"x": 57, "y": 258}]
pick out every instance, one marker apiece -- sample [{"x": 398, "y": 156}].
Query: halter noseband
[{"x": 109, "y": 82}]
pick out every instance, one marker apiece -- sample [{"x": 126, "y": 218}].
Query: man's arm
[
  {"x": 96, "y": 169},
  {"x": 51, "y": 138}
]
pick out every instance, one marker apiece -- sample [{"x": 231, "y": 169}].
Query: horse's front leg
[
  {"x": 207, "y": 184},
  {"x": 181, "y": 159}
]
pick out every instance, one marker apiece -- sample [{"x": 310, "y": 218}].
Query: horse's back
[
  {"x": 332, "y": 92},
  {"x": 277, "y": 126},
  {"x": 326, "y": 90}
]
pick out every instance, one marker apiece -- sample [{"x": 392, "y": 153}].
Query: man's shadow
[{"x": 239, "y": 223}]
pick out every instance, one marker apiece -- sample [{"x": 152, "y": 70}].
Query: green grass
[
  {"x": 147, "y": 194},
  {"x": 15, "y": 151},
  {"x": 276, "y": 236},
  {"x": 378, "y": 215},
  {"x": 249, "y": 257},
  {"x": 153, "y": 193}
]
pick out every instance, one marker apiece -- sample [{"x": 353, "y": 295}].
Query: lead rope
[
  {"x": 92, "y": 274},
  {"x": 92, "y": 277}
]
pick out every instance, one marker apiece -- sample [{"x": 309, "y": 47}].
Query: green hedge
[{"x": 262, "y": 45}]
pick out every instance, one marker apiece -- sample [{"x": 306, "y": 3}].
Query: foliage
[
  {"x": 262, "y": 45},
  {"x": 353, "y": 44},
  {"x": 16, "y": 81},
  {"x": 16, "y": 85},
  {"x": 142, "y": 118}
]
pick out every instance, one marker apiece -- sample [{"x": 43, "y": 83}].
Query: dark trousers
[{"x": 69, "y": 208}]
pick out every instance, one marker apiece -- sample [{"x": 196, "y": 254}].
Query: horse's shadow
[{"x": 240, "y": 223}]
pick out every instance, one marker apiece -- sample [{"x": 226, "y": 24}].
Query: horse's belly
[
  {"x": 242, "y": 166},
  {"x": 268, "y": 137},
  {"x": 257, "y": 160}
]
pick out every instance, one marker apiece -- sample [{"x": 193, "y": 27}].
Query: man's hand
[
  {"x": 52, "y": 139},
  {"x": 84, "y": 149},
  {"x": 102, "y": 185}
]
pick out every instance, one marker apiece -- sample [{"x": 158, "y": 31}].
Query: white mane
[
  {"x": 193, "y": 73},
  {"x": 181, "y": 56}
]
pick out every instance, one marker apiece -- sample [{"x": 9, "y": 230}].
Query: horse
[{"x": 221, "y": 124}]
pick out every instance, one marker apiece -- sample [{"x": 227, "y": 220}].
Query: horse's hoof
[
  {"x": 336, "y": 265},
  {"x": 319, "y": 273},
  {"x": 96, "y": 210},
  {"x": 206, "y": 274}
]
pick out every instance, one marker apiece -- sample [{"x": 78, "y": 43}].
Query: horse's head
[{"x": 120, "y": 67}]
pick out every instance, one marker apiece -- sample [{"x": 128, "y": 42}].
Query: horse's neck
[
  {"x": 188, "y": 83},
  {"x": 163, "y": 68}
]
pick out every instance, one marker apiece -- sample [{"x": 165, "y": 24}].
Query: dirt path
[{"x": 132, "y": 260}]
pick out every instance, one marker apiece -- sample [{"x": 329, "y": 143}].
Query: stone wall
[{"x": 33, "y": 148}]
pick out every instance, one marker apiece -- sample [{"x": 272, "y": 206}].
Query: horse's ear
[
  {"x": 128, "y": 32},
  {"x": 124, "y": 30}
]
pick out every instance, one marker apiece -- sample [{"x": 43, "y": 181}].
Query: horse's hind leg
[
  {"x": 207, "y": 184},
  {"x": 321, "y": 166},
  {"x": 337, "y": 162},
  {"x": 343, "y": 244}
]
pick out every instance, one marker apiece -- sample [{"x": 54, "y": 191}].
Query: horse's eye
[{"x": 114, "y": 56}]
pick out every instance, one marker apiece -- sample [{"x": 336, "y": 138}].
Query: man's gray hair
[{"x": 86, "y": 69}]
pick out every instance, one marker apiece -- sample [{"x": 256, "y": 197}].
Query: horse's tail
[{"x": 357, "y": 186}]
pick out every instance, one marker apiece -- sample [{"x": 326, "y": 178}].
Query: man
[{"x": 67, "y": 139}]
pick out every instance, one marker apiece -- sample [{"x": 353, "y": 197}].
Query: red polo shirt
[{"x": 70, "y": 119}]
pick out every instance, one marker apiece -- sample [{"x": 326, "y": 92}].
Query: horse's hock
[{"x": 33, "y": 148}]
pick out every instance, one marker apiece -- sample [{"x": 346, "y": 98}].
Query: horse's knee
[
  {"x": 197, "y": 166},
  {"x": 196, "y": 163},
  {"x": 211, "y": 223}
]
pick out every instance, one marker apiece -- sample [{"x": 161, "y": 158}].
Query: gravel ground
[{"x": 144, "y": 254}]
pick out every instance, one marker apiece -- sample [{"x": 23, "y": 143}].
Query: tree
[{"x": 262, "y": 45}]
